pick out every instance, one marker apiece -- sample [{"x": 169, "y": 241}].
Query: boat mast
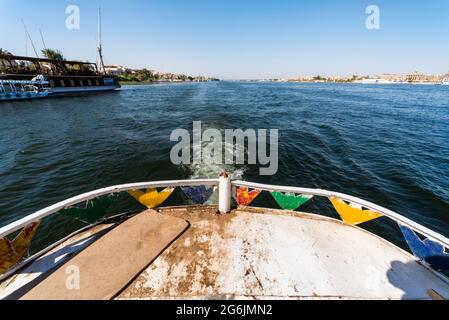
[
  {"x": 42, "y": 38},
  {"x": 32, "y": 43},
  {"x": 100, "y": 45},
  {"x": 26, "y": 44}
]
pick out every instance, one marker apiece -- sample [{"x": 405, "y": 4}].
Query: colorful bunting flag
[
  {"x": 245, "y": 197},
  {"x": 13, "y": 252},
  {"x": 152, "y": 198},
  {"x": 428, "y": 251},
  {"x": 290, "y": 201},
  {"x": 353, "y": 213},
  {"x": 199, "y": 195},
  {"x": 93, "y": 210}
]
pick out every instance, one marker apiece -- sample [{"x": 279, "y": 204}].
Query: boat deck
[{"x": 250, "y": 253}]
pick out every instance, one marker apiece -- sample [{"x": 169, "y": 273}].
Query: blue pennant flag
[
  {"x": 199, "y": 195},
  {"x": 428, "y": 251}
]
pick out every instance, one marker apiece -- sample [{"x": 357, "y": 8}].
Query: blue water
[{"x": 388, "y": 144}]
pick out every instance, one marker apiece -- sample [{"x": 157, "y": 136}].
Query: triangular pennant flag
[
  {"x": 93, "y": 211},
  {"x": 245, "y": 197},
  {"x": 353, "y": 213},
  {"x": 13, "y": 252},
  {"x": 428, "y": 251},
  {"x": 199, "y": 195},
  {"x": 152, "y": 198},
  {"x": 290, "y": 201}
]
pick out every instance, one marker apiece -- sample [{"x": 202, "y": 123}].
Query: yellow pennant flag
[
  {"x": 353, "y": 213},
  {"x": 13, "y": 252},
  {"x": 152, "y": 198}
]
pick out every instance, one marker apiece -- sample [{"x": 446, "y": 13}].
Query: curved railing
[
  {"x": 17, "y": 225},
  {"x": 433, "y": 251},
  {"x": 430, "y": 234}
]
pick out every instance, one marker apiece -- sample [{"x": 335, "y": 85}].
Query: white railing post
[{"x": 225, "y": 190}]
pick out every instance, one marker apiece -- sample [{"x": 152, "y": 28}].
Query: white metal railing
[
  {"x": 432, "y": 235},
  {"x": 225, "y": 195},
  {"x": 19, "y": 224}
]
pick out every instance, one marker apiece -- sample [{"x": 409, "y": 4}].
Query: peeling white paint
[{"x": 302, "y": 256}]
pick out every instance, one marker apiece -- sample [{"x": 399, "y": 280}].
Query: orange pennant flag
[
  {"x": 245, "y": 197},
  {"x": 13, "y": 252},
  {"x": 353, "y": 213}
]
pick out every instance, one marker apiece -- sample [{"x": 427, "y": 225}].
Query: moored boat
[
  {"x": 62, "y": 76},
  {"x": 221, "y": 249},
  {"x": 35, "y": 88}
]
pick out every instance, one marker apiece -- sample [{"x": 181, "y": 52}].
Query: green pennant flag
[
  {"x": 93, "y": 210},
  {"x": 290, "y": 201}
]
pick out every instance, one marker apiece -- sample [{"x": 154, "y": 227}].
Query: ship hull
[
  {"x": 58, "y": 85},
  {"x": 83, "y": 89},
  {"x": 23, "y": 96}
]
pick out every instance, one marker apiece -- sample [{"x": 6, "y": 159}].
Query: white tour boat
[
  {"x": 23, "y": 90},
  {"x": 229, "y": 247},
  {"x": 445, "y": 82}
]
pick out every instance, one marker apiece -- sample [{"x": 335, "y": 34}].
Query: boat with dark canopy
[{"x": 62, "y": 77}]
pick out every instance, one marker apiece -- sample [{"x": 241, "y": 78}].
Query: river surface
[{"x": 388, "y": 144}]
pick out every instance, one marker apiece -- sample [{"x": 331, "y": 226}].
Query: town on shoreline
[
  {"x": 136, "y": 76},
  {"x": 386, "y": 78},
  {"x": 127, "y": 75}
]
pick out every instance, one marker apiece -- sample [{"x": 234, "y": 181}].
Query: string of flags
[
  {"x": 246, "y": 197},
  {"x": 426, "y": 250},
  {"x": 151, "y": 198},
  {"x": 353, "y": 213},
  {"x": 290, "y": 201},
  {"x": 199, "y": 195},
  {"x": 92, "y": 211},
  {"x": 13, "y": 252}
]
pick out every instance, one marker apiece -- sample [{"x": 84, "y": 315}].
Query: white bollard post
[{"x": 225, "y": 190}]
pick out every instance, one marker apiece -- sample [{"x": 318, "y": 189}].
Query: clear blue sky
[{"x": 242, "y": 38}]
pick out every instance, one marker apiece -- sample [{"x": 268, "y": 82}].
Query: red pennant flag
[{"x": 245, "y": 197}]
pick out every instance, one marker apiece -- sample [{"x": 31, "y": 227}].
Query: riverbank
[
  {"x": 347, "y": 82},
  {"x": 134, "y": 83}
]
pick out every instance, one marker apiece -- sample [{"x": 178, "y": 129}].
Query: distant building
[
  {"x": 419, "y": 77},
  {"x": 392, "y": 77},
  {"x": 115, "y": 70}
]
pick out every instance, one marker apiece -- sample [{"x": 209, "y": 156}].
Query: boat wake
[{"x": 208, "y": 169}]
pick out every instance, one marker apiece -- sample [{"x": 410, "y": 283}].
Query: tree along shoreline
[{"x": 148, "y": 76}]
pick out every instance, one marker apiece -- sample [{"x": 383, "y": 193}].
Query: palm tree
[{"x": 53, "y": 54}]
